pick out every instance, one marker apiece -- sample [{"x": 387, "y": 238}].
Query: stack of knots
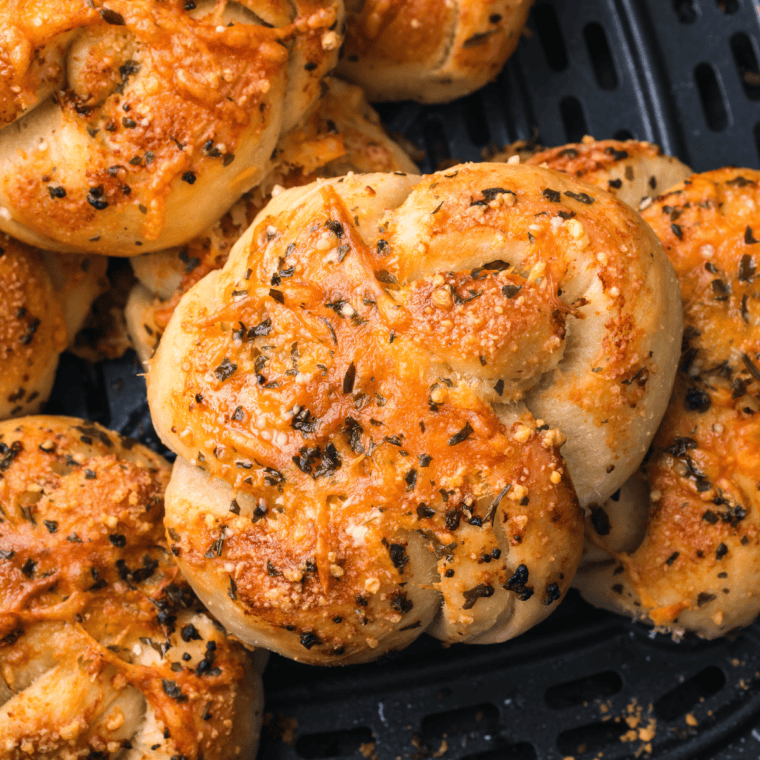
[
  {"x": 128, "y": 127},
  {"x": 369, "y": 399},
  {"x": 368, "y": 392},
  {"x": 391, "y": 396}
]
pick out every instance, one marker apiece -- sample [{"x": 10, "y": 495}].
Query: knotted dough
[
  {"x": 104, "y": 649},
  {"x": 681, "y": 537},
  {"x": 131, "y": 125},
  {"x": 631, "y": 170},
  {"x": 427, "y": 50},
  {"x": 369, "y": 399},
  {"x": 342, "y": 134}
]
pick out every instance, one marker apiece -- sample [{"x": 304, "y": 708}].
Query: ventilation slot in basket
[
  {"x": 680, "y": 700},
  {"x": 685, "y": 11},
  {"x": 728, "y": 6},
  {"x": 601, "y": 56},
  {"x": 591, "y": 738},
  {"x": 573, "y": 119},
  {"x": 333, "y": 743},
  {"x": 586, "y": 689},
  {"x": 711, "y": 96},
  {"x": 746, "y": 64},
  {"x": 550, "y": 34},
  {"x": 475, "y": 120},
  {"x": 436, "y": 143},
  {"x": 476, "y": 720}
]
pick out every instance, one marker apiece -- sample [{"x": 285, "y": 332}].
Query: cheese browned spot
[{"x": 94, "y": 610}]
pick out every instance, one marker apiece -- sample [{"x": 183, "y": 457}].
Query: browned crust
[
  {"x": 391, "y": 31},
  {"x": 383, "y": 418},
  {"x": 698, "y": 564},
  {"x": 618, "y": 382},
  {"x": 156, "y": 93},
  {"x": 32, "y": 329},
  {"x": 342, "y": 134},
  {"x": 462, "y": 317},
  {"x": 591, "y": 159},
  {"x": 427, "y": 50},
  {"x": 83, "y": 554},
  {"x": 303, "y": 375}
]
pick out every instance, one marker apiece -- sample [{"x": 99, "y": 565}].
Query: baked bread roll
[
  {"x": 32, "y": 329},
  {"x": 343, "y": 134},
  {"x": 131, "y": 125},
  {"x": 683, "y": 535},
  {"x": 428, "y": 51},
  {"x": 365, "y": 402},
  {"x": 631, "y": 170},
  {"x": 78, "y": 280},
  {"x": 45, "y": 298},
  {"x": 104, "y": 649}
]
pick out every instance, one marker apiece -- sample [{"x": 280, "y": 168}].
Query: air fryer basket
[{"x": 584, "y": 684}]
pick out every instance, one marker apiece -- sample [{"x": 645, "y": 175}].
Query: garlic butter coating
[
  {"x": 369, "y": 401},
  {"x": 631, "y": 170},
  {"x": 681, "y": 537},
  {"x": 104, "y": 649},
  {"x": 131, "y": 125},
  {"x": 341, "y": 134}
]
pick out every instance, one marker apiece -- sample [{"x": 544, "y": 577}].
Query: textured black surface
[
  {"x": 677, "y": 72},
  {"x": 571, "y": 682}
]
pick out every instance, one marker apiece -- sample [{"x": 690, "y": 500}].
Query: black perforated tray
[{"x": 684, "y": 74}]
